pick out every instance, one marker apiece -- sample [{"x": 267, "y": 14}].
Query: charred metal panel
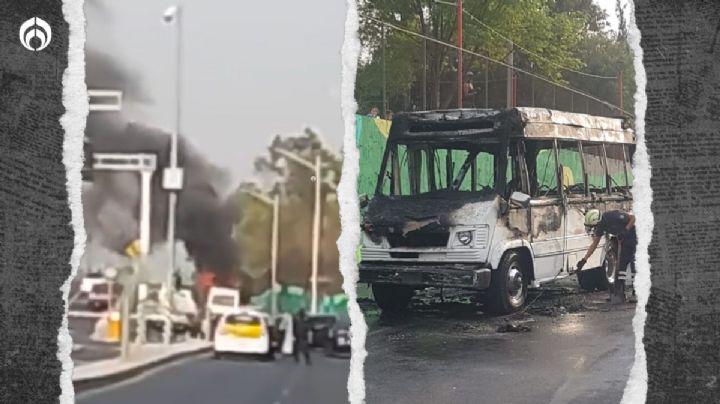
[
  {"x": 547, "y": 221},
  {"x": 518, "y": 221},
  {"x": 547, "y": 239},
  {"x": 440, "y": 209},
  {"x": 470, "y": 276},
  {"x": 480, "y": 125}
]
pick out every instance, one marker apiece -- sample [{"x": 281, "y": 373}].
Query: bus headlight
[{"x": 465, "y": 237}]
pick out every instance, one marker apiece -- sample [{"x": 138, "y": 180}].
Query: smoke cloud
[{"x": 111, "y": 202}]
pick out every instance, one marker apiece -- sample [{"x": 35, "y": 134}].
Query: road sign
[
  {"x": 172, "y": 179},
  {"x": 105, "y": 100}
]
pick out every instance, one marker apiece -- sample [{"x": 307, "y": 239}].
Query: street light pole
[
  {"x": 316, "y": 237},
  {"x": 275, "y": 203},
  {"x": 174, "y": 14},
  {"x": 316, "y": 217},
  {"x": 460, "y": 79},
  {"x": 274, "y": 253}
]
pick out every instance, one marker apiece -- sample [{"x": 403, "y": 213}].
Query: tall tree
[
  {"x": 550, "y": 36},
  {"x": 296, "y": 187}
]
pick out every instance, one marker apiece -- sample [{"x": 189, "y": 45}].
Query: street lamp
[
  {"x": 316, "y": 166},
  {"x": 173, "y": 175},
  {"x": 275, "y": 203}
]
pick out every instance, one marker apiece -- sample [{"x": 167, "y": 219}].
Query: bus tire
[
  {"x": 392, "y": 298},
  {"x": 508, "y": 285},
  {"x": 607, "y": 273}
]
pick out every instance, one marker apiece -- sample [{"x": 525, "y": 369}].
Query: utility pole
[
  {"x": 424, "y": 83},
  {"x": 621, "y": 102},
  {"x": 487, "y": 85},
  {"x": 459, "y": 53},
  {"x": 510, "y": 78},
  {"x": 384, "y": 78}
]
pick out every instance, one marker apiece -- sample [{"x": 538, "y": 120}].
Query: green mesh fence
[{"x": 290, "y": 299}]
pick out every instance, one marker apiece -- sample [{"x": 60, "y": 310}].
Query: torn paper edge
[
  {"x": 636, "y": 387},
  {"x": 349, "y": 206},
  {"x": 75, "y": 101}
]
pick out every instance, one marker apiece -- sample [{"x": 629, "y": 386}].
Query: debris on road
[{"x": 509, "y": 327}]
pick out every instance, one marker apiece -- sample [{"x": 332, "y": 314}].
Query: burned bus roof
[{"x": 479, "y": 125}]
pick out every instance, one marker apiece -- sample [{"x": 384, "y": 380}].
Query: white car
[
  {"x": 89, "y": 280},
  {"x": 245, "y": 331}
]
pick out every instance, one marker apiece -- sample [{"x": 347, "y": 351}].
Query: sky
[
  {"x": 609, "y": 7},
  {"x": 251, "y": 69}
]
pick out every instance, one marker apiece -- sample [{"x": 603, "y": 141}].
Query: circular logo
[{"x": 35, "y": 34}]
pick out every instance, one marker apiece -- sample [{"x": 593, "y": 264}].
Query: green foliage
[
  {"x": 551, "y": 37},
  {"x": 296, "y": 188}
]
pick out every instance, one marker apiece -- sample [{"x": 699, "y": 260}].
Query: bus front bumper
[{"x": 455, "y": 275}]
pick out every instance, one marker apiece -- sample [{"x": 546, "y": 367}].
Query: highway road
[{"x": 233, "y": 381}]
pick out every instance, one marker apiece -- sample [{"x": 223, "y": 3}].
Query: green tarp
[{"x": 290, "y": 299}]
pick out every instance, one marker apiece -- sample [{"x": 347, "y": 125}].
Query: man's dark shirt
[
  {"x": 300, "y": 328},
  {"x": 613, "y": 222}
]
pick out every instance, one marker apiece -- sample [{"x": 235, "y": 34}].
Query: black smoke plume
[{"x": 111, "y": 203}]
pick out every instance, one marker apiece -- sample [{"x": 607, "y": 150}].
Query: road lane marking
[{"x": 85, "y": 314}]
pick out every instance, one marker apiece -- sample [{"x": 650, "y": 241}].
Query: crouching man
[{"x": 621, "y": 225}]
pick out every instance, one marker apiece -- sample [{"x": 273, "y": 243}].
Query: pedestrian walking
[
  {"x": 301, "y": 344},
  {"x": 621, "y": 225}
]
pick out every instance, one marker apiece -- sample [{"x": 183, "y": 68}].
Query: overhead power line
[
  {"x": 517, "y": 69},
  {"x": 494, "y": 31}
]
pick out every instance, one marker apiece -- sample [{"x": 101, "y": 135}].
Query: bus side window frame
[
  {"x": 608, "y": 179},
  {"x": 520, "y": 167},
  {"x": 603, "y": 159},
  {"x": 533, "y": 180},
  {"x": 578, "y": 148}
]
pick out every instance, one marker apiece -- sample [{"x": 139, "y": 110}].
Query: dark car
[
  {"x": 338, "y": 342},
  {"x": 100, "y": 295},
  {"x": 319, "y": 326}
]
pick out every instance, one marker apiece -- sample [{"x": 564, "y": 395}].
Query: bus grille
[{"x": 419, "y": 239}]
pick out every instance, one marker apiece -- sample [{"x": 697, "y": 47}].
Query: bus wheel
[
  {"x": 392, "y": 298},
  {"x": 508, "y": 285},
  {"x": 607, "y": 273}
]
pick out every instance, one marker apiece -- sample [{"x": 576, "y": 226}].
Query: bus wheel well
[{"x": 527, "y": 260}]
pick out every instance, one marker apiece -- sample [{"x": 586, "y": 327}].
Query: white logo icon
[{"x": 35, "y": 34}]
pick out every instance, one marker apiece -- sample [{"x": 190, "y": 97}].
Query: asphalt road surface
[
  {"x": 576, "y": 349},
  {"x": 85, "y": 349},
  {"x": 233, "y": 381}
]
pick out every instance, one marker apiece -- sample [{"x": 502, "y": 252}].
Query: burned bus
[{"x": 493, "y": 201}]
